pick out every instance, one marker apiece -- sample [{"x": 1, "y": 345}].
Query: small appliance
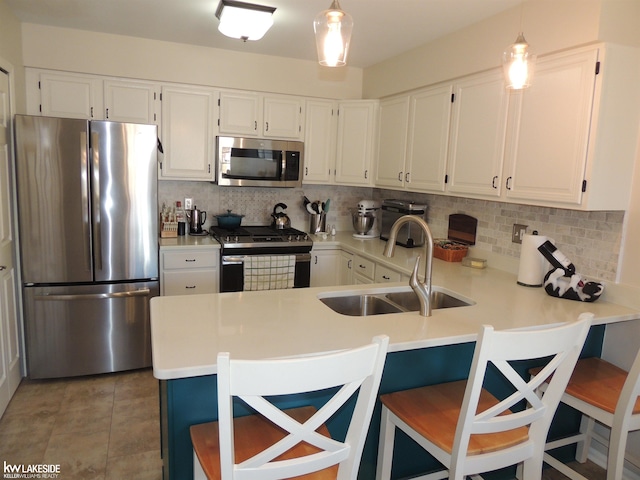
[
  {"x": 196, "y": 220},
  {"x": 365, "y": 219},
  {"x": 410, "y": 235},
  {"x": 259, "y": 162}
]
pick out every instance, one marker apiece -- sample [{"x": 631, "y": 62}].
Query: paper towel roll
[{"x": 533, "y": 266}]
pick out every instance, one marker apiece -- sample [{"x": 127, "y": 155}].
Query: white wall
[
  {"x": 118, "y": 55},
  {"x": 548, "y": 25},
  {"x": 11, "y": 52}
]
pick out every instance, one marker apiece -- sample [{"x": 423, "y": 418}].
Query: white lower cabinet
[
  {"x": 385, "y": 275},
  {"x": 363, "y": 270},
  {"x": 189, "y": 271},
  {"x": 346, "y": 268},
  {"x": 325, "y": 267}
]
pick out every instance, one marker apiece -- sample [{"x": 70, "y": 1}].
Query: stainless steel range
[{"x": 251, "y": 241}]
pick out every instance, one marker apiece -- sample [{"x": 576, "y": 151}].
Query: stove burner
[{"x": 258, "y": 239}]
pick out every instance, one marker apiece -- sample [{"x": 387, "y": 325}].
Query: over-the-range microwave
[{"x": 259, "y": 162}]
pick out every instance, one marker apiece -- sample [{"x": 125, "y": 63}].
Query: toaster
[{"x": 410, "y": 235}]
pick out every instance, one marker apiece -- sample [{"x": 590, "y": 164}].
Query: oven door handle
[{"x": 239, "y": 259}]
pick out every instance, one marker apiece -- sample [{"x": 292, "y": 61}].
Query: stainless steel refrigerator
[{"x": 87, "y": 203}]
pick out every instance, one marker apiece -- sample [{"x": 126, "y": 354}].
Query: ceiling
[{"x": 382, "y": 28}]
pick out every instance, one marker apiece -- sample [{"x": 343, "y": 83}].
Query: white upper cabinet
[
  {"x": 258, "y": 115},
  {"x": 321, "y": 120},
  {"x": 428, "y": 138},
  {"x": 392, "y": 142},
  {"x": 188, "y": 133},
  {"x": 574, "y": 130},
  {"x": 131, "y": 101},
  {"x": 477, "y": 137},
  {"x": 239, "y": 113},
  {"x": 355, "y": 147},
  {"x": 282, "y": 116},
  {"x": 413, "y": 140},
  {"x": 70, "y": 95}
]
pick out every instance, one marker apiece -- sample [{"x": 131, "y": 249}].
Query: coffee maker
[
  {"x": 196, "y": 220},
  {"x": 366, "y": 221}
]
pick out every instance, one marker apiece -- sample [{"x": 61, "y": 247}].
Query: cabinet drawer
[
  {"x": 384, "y": 274},
  {"x": 364, "y": 267},
  {"x": 190, "y": 259},
  {"x": 190, "y": 282}
]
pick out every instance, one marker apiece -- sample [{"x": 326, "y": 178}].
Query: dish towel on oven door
[{"x": 269, "y": 272}]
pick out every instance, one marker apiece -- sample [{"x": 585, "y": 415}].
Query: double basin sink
[{"x": 390, "y": 301}]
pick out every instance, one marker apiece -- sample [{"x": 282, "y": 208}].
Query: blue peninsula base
[{"x": 188, "y": 401}]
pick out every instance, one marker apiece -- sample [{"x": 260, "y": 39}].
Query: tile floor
[{"x": 104, "y": 427}]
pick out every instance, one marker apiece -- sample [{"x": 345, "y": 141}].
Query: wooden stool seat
[
  {"x": 433, "y": 412},
  {"x": 274, "y": 443},
  {"x": 597, "y": 382},
  {"x": 607, "y": 394},
  {"x": 253, "y": 434},
  {"x": 468, "y": 430}
]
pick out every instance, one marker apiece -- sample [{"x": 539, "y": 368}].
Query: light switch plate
[
  {"x": 188, "y": 203},
  {"x": 518, "y": 232}
]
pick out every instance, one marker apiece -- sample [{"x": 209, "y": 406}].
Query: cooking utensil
[
  {"x": 325, "y": 207},
  {"x": 229, "y": 220},
  {"x": 280, "y": 219}
]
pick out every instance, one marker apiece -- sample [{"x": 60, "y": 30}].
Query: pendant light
[
  {"x": 333, "y": 34},
  {"x": 518, "y": 64}
]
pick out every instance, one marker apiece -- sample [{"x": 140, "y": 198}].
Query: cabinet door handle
[
  {"x": 349, "y": 264},
  {"x": 407, "y": 177},
  {"x": 508, "y": 184},
  {"x": 266, "y": 126},
  {"x": 190, "y": 260},
  {"x": 399, "y": 176},
  {"x": 316, "y": 260},
  {"x": 190, "y": 287},
  {"x": 306, "y": 171},
  {"x": 362, "y": 266},
  {"x": 107, "y": 114},
  {"x": 384, "y": 277},
  {"x": 493, "y": 182},
  {"x": 255, "y": 125},
  {"x": 366, "y": 173}
]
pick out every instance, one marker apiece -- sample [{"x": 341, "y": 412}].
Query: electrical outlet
[
  {"x": 518, "y": 232},
  {"x": 188, "y": 203}
]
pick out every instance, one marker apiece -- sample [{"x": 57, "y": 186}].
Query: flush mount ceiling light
[
  {"x": 333, "y": 34},
  {"x": 518, "y": 64},
  {"x": 245, "y": 21}
]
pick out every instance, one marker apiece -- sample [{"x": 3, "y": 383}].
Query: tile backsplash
[{"x": 590, "y": 239}]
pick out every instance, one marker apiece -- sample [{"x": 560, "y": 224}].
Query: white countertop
[
  {"x": 188, "y": 331},
  {"x": 188, "y": 241}
]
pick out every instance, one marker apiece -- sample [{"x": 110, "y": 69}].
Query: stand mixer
[{"x": 366, "y": 221}]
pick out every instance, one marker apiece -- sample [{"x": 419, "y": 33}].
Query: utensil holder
[{"x": 318, "y": 222}]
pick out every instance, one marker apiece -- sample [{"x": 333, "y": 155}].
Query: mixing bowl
[{"x": 362, "y": 222}]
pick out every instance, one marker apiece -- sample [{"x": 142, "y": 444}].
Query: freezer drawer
[{"x": 88, "y": 329}]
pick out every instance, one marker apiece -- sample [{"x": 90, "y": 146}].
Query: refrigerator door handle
[
  {"x": 96, "y": 296},
  {"x": 97, "y": 232},
  {"x": 86, "y": 223}
]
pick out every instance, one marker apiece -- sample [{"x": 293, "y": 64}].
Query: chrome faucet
[{"x": 423, "y": 290}]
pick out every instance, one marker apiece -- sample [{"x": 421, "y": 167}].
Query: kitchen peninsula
[{"x": 189, "y": 331}]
